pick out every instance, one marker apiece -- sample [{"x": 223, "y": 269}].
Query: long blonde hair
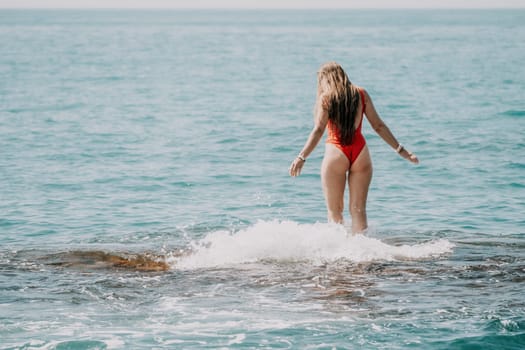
[{"x": 340, "y": 99}]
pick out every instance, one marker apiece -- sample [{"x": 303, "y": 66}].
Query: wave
[
  {"x": 514, "y": 113},
  {"x": 288, "y": 241}
]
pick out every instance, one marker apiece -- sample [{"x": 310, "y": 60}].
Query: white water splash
[{"x": 289, "y": 241}]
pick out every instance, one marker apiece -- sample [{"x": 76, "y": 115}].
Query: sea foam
[{"x": 288, "y": 241}]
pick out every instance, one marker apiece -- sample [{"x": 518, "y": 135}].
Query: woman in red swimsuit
[{"x": 340, "y": 107}]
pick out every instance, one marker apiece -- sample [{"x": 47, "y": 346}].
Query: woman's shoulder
[
  {"x": 360, "y": 88},
  {"x": 363, "y": 93},
  {"x": 325, "y": 101}
]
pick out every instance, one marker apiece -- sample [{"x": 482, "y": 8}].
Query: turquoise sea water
[{"x": 168, "y": 135}]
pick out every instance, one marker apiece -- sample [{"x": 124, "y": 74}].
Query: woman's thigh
[
  {"x": 359, "y": 179},
  {"x": 333, "y": 177}
]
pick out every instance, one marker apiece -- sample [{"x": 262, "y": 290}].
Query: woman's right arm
[
  {"x": 320, "y": 122},
  {"x": 382, "y": 130}
]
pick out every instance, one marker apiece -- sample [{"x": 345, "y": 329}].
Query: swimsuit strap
[{"x": 362, "y": 94}]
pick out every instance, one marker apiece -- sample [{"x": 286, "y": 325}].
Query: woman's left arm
[
  {"x": 382, "y": 130},
  {"x": 321, "y": 119}
]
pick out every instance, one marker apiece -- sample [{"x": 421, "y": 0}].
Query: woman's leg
[
  {"x": 333, "y": 177},
  {"x": 358, "y": 182}
]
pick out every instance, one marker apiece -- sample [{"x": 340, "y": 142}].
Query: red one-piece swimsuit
[{"x": 352, "y": 150}]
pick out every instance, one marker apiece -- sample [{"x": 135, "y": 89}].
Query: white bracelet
[
  {"x": 400, "y": 148},
  {"x": 301, "y": 158}
]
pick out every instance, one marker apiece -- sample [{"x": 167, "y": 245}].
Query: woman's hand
[
  {"x": 413, "y": 158},
  {"x": 409, "y": 156},
  {"x": 296, "y": 167}
]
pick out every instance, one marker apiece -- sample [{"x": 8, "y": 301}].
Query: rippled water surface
[{"x": 145, "y": 201}]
